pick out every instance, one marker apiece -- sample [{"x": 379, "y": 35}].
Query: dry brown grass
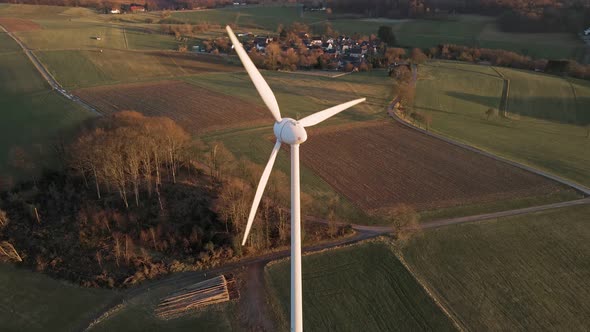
[
  {"x": 18, "y": 24},
  {"x": 196, "y": 109}
]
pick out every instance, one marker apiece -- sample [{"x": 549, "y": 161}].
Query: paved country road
[{"x": 47, "y": 76}]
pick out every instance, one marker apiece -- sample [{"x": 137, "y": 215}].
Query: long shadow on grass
[{"x": 544, "y": 108}]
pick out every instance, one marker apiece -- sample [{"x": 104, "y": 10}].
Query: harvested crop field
[
  {"x": 18, "y": 24},
  {"x": 381, "y": 164},
  {"x": 196, "y": 109}
]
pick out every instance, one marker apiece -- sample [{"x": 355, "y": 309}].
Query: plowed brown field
[
  {"x": 196, "y": 109},
  {"x": 18, "y": 24},
  {"x": 381, "y": 164}
]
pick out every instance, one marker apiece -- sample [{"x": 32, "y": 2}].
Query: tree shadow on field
[
  {"x": 487, "y": 101},
  {"x": 576, "y": 112}
]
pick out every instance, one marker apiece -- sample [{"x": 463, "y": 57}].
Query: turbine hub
[{"x": 290, "y": 131}]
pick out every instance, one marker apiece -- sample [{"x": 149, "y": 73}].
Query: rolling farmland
[
  {"x": 546, "y": 114},
  {"x": 384, "y": 164},
  {"x": 196, "y": 109},
  {"x": 526, "y": 272},
  {"x": 359, "y": 288},
  {"x": 521, "y": 272},
  {"x": 80, "y": 69}
]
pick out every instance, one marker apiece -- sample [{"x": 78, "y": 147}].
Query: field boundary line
[
  {"x": 578, "y": 187},
  {"x": 432, "y": 294},
  {"x": 53, "y": 83},
  {"x": 503, "y": 214},
  {"x": 106, "y": 315}
]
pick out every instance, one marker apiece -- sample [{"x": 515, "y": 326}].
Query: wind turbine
[{"x": 292, "y": 132}]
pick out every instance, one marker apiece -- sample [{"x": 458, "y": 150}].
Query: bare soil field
[
  {"x": 18, "y": 24},
  {"x": 196, "y": 109},
  {"x": 378, "y": 165}
]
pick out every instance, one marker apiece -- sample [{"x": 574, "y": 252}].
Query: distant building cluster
[
  {"x": 128, "y": 8},
  {"x": 339, "y": 51}
]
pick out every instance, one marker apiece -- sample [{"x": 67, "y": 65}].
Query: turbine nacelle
[{"x": 290, "y": 131}]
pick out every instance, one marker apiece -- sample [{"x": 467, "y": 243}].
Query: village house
[{"x": 136, "y": 8}]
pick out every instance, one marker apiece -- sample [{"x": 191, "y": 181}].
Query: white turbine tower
[{"x": 292, "y": 132}]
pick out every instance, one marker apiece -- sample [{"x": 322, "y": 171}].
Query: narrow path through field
[
  {"x": 253, "y": 300},
  {"x": 47, "y": 76}
]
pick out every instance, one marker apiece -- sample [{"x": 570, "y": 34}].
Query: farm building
[{"x": 137, "y": 8}]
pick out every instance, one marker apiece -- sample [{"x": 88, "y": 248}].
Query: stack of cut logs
[{"x": 216, "y": 290}]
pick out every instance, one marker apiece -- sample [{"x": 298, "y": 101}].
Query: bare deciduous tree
[
  {"x": 405, "y": 221},
  {"x": 7, "y": 251}
]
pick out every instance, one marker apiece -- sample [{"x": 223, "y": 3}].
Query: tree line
[
  {"x": 129, "y": 152},
  {"x": 513, "y": 15},
  {"x": 138, "y": 198},
  {"x": 505, "y": 58}
]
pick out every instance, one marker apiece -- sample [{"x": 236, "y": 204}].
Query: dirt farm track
[
  {"x": 385, "y": 164},
  {"x": 195, "y": 108}
]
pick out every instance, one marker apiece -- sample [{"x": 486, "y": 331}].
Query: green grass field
[
  {"x": 64, "y": 28},
  {"x": 67, "y": 35},
  {"x": 257, "y": 17},
  {"x": 32, "y": 114},
  {"x": 79, "y": 69},
  {"x": 302, "y": 95},
  {"x": 469, "y": 30},
  {"x": 537, "y": 132},
  {"x": 31, "y": 301},
  {"x": 31, "y": 11},
  {"x": 7, "y": 44},
  {"x": 358, "y": 288},
  {"x": 526, "y": 272}
]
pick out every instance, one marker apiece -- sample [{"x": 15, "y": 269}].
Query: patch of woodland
[{"x": 136, "y": 199}]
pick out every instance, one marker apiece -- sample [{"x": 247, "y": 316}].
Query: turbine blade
[
  {"x": 263, "y": 89},
  {"x": 260, "y": 189},
  {"x": 314, "y": 119}
]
